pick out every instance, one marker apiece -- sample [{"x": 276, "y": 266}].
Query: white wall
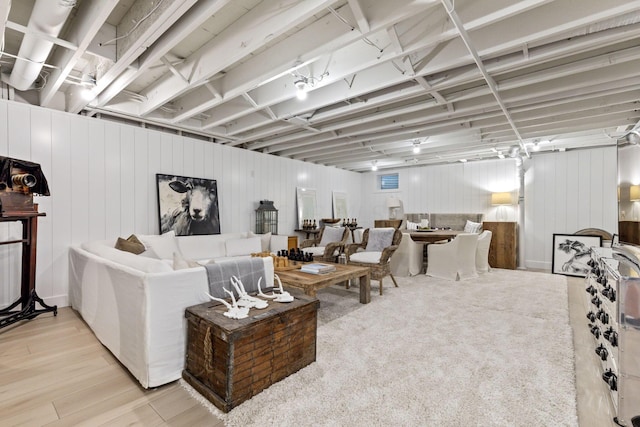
[
  {"x": 459, "y": 187},
  {"x": 102, "y": 180},
  {"x": 566, "y": 192}
]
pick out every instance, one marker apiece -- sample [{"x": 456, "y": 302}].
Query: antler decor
[
  {"x": 246, "y": 300},
  {"x": 233, "y": 312},
  {"x": 283, "y": 296}
]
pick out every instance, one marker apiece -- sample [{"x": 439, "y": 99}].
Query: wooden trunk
[{"x": 228, "y": 361}]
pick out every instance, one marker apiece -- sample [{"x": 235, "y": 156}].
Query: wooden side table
[
  {"x": 310, "y": 232},
  {"x": 503, "y": 252}
]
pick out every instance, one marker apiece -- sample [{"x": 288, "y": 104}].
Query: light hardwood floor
[{"x": 54, "y": 372}]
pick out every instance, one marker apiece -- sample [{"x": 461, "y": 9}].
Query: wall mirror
[
  {"x": 340, "y": 205},
  {"x": 307, "y": 208},
  {"x": 629, "y": 192}
]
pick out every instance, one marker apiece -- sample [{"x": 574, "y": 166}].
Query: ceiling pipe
[
  {"x": 47, "y": 17},
  {"x": 5, "y": 8},
  {"x": 448, "y": 5}
]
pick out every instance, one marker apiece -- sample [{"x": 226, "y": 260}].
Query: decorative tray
[{"x": 290, "y": 267}]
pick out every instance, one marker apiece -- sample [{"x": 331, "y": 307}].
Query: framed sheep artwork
[{"x": 187, "y": 205}]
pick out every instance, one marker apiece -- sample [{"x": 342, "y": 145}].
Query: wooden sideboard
[
  {"x": 503, "y": 252},
  {"x": 380, "y": 223},
  {"x": 629, "y": 231}
]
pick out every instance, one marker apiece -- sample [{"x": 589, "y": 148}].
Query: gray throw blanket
[{"x": 247, "y": 270}]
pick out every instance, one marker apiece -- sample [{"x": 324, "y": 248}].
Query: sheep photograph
[{"x": 188, "y": 205}]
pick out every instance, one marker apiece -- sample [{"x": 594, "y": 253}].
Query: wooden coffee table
[{"x": 310, "y": 283}]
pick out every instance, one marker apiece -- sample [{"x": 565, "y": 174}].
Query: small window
[{"x": 389, "y": 181}]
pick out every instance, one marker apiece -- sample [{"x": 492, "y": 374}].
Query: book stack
[{"x": 317, "y": 268}]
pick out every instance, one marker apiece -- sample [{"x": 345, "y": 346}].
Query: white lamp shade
[
  {"x": 634, "y": 193},
  {"x": 393, "y": 202},
  {"x": 501, "y": 199}
]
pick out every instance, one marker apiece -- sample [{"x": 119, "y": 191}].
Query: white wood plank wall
[
  {"x": 102, "y": 180},
  {"x": 566, "y": 192},
  {"x": 454, "y": 188}
]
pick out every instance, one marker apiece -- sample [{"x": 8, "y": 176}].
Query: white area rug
[{"x": 496, "y": 351}]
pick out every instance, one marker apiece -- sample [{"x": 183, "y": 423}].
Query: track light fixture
[
  {"x": 374, "y": 165},
  {"x": 514, "y": 151},
  {"x": 416, "y": 147}
]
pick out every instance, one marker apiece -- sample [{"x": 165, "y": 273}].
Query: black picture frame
[
  {"x": 187, "y": 205},
  {"x": 571, "y": 252}
]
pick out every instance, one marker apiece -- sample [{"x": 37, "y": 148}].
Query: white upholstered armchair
[{"x": 455, "y": 260}]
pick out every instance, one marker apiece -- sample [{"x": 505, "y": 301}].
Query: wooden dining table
[{"x": 432, "y": 236}]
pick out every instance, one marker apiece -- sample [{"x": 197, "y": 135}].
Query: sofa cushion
[
  {"x": 246, "y": 246},
  {"x": 472, "y": 227},
  {"x": 205, "y": 246},
  {"x": 162, "y": 246},
  {"x": 330, "y": 235},
  {"x": 265, "y": 239},
  {"x": 370, "y": 257},
  {"x": 106, "y": 250},
  {"x": 181, "y": 263},
  {"x": 130, "y": 244}
]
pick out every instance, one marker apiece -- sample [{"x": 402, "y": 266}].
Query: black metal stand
[
  {"x": 28, "y": 312},
  {"x": 28, "y": 296}
]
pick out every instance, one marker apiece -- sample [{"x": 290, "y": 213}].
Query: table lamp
[
  {"x": 501, "y": 200},
  {"x": 393, "y": 203}
]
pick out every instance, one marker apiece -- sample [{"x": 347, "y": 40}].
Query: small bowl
[{"x": 330, "y": 220}]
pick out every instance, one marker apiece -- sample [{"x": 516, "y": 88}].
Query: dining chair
[
  {"x": 482, "y": 252},
  {"x": 455, "y": 260},
  {"x": 375, "y": 251}
]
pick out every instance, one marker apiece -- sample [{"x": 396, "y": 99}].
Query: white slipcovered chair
[
  {"x": 482, "y": 252},
  {"x": 328, "y": 244},
  {"x": 455, "y": 260},
  {"x": 407, "y": 260}
]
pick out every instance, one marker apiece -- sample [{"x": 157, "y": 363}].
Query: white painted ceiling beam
[
  {"x": 145, "y": 36},
  {"x": 193, "y": 18},
  {"x": 252, "y": 31}
]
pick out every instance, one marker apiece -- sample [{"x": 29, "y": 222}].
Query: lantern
[{"x": 266, "y": 218}]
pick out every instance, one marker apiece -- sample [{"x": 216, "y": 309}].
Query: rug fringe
[{"x": 202, "y": 400}]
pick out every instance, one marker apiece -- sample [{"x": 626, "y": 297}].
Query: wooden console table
[
  {"x": 308, "y": 232},
  {"x": 28, "y": 296},
  {"x": 503, "y": 252}
]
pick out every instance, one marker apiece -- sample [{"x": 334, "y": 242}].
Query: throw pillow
[
  {"x": 472, "y": 227},
  {"x": 238, "y": 247},
  {"x": 181, "y": 263},
  {"x": 163, "y": 246},
  {"x": 265, "y": 239},
  {"x": 330, "y": 235},
  {"x": 379, "y": 238},
  {"x": 130, "y": 244}
]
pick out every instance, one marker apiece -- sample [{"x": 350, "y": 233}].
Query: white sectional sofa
[{"x": 135, "y": 303}]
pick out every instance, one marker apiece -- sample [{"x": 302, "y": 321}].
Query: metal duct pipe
[{"x": 47, "y": 17}]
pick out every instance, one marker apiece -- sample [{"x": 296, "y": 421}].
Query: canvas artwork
[
  {"x": 571, "y": 254},
  {"x": 187, "y": 205}
]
